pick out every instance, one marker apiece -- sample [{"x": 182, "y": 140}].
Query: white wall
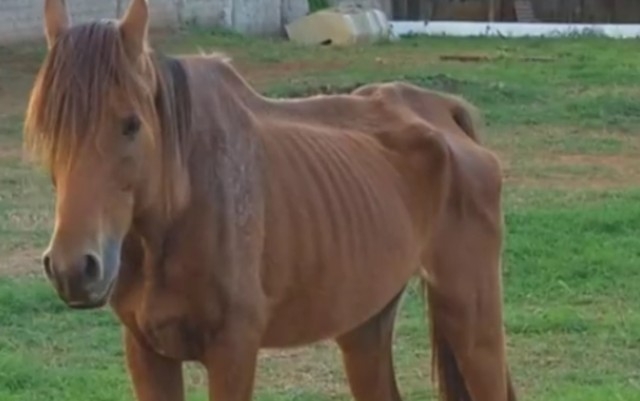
[
  {"x": 512, "y": 29},
  {"x": 383, "y": 5},
  {"x": 22, "y": 19}
]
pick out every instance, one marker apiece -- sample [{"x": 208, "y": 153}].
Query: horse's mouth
[{"x": 96, "y": 302}]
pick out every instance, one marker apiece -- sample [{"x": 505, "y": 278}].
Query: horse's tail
[
  {"x": 446, "y": 373},
  {"x": 511, "y": 392}
]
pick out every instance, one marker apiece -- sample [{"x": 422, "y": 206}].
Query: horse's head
[{"x": 92, "y": 120}]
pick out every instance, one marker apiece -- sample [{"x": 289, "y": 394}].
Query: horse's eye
[{"x": 131, "y": 126}]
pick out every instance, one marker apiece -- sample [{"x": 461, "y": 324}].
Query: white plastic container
[{"x": 339, "y": 26}]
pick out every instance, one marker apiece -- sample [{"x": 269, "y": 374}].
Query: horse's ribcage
[{"x": 334, "y": 202}]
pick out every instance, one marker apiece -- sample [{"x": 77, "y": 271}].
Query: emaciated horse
[{"x": 217, "y": 222}]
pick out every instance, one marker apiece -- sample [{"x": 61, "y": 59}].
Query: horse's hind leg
[
  {"x": 465, "y": 305},
  {"x": 367, "y": 357}
]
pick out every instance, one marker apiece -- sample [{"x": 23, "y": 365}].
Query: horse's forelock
[{"x": 69, "y": 99}]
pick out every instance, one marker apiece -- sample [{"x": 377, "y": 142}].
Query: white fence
[{"x": 512, "y": 29}]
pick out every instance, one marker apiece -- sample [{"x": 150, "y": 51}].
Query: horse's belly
[
  {"x": 336, "y": 306},
  {"x": 340, "y": 243}
]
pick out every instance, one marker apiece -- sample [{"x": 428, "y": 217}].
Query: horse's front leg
[
  {"x": 231, "y": 364},
  {"x": 154, "y": 377}
]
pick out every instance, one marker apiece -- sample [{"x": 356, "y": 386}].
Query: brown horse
[{"x": 217, "y": 222}]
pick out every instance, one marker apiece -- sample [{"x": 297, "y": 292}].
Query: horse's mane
[{"x": 70, "y": 94}]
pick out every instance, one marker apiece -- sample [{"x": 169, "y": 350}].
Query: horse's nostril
[
  {"x": 48, "y": 269},
  {"x": 91, "y": 268}
]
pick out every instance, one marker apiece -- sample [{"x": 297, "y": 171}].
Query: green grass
[
  {"x": 25, "y": 205},
  {"x": 315, "y": 5},
  {"x": 567, "y": 132}
]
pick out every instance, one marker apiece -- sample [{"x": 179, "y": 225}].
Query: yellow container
[{"x": 339, "y": 26}]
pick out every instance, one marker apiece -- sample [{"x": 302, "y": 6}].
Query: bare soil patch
[
  {"x": 21, "y": 262},
  {"x": 10, "y": 152},
  {"x": 566, "y": 157},
  {"x": 262, "y": 74},
  {"x": 17, "y": 72},
  {"x": 574, "y": 172}
]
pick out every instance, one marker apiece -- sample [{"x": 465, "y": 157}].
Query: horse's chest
[
  {"x": 175, "y": 337},
  {"x": 173, "y": 328}
]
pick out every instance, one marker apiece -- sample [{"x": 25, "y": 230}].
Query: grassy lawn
[{"x": 562, "y": 114}]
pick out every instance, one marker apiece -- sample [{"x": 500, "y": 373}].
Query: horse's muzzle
[{"x": 87, "y": 281}]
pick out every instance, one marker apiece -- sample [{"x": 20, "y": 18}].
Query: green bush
[{"x": 315, "y": 5}]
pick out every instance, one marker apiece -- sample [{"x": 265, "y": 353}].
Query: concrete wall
[
  {"x": 22, "y": 19},
  {"x": 383, "y": 5}
]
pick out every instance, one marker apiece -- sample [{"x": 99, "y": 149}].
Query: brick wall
[{"x": 22, "y": 19}]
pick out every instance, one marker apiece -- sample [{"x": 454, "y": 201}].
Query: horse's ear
[
  {"x": 56, "y": 20},
  {"x": 133, "y": 28}
]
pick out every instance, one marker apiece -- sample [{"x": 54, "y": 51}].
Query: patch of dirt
[
  {"x": 17, "y": 73},
  {"x": 315, "y": 368},
  {"x": 566, "y": 157},
  {"x": 261, "y": 74},
  {"x": 13, "y": 99},
  {"x": 21, "y": 262},
  {"x": 632, "y": 91},
  {"x": 574, "y": 171},
  {"x": 312, "y": 369},
  {"x": 10, "y": 152},
  {"x": 618, "y": 162}
]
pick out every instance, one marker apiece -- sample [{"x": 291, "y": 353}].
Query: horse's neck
[{"x": 222, "y": 156}]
